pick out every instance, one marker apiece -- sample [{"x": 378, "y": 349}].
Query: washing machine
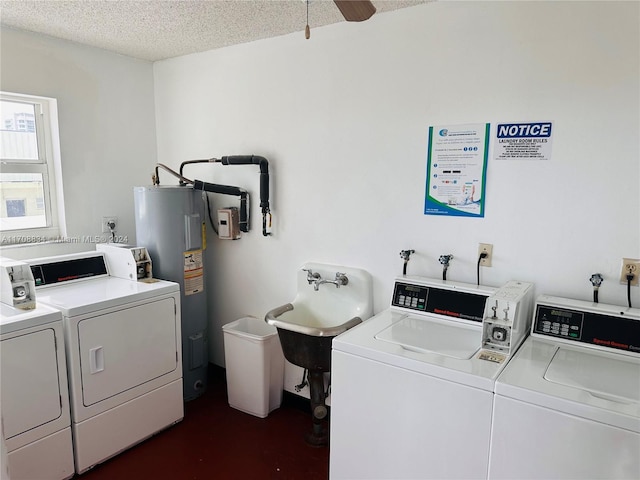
[
  {"x": 567, "y": 405},
  {"x": 412, "y": 387},
  {"x": 123, "y": 346},
  {"x": 34, "y": 393}
]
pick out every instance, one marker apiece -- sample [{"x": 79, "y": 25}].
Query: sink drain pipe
[{"x": 318, "y": 435}]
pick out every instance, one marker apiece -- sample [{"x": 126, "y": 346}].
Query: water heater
[{"x": 169, "y": 223}]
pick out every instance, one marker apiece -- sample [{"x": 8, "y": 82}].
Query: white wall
[
  {"x": 343, "y": 120},
  {"x": 107, "y": 128}
]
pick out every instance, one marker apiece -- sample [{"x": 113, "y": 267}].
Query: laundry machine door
[
  {"x": 123, "y": 349},
  {"x": 30, "y": 381}
]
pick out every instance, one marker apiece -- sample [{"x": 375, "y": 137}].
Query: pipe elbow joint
[{"x": 263, "y": 163}]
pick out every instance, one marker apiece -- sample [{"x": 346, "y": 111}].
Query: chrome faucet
[
  {"x": 312, "y": 277},
  {"x": 316, "y": 280},
  {"x": 341, "y": 279}
]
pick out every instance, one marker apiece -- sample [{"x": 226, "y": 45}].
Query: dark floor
[{"x": 215, "y": 441}]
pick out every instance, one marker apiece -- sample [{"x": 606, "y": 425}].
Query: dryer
[
  {"x": 123, "y": 346},
  {"x": 34, "y": 391},
  {"x": 567, "y": 405},
  {"x": 412, "y": 387}
]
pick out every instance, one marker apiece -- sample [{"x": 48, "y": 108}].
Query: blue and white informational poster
[
  {"x": 456, "y": 170},
  {"x": 523, "y": 141}
]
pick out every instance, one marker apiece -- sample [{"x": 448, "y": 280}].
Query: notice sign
[
  {"x": 523, "y": 141},
  {"x": 456, "y": 170},
  {"x": 193, "y": 272}
]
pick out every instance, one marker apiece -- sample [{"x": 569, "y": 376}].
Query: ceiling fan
[
  {"x": 352, "y": 11},
  {"x": 355, "y": 10}
]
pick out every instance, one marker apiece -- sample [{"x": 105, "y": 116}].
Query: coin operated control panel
[
  {"x": 462, "y": 302},
  {"x": 126, "y": 261},
  {"x": 507, "y": 321},
  {"x": 593, "y": 325},
  {"x": 18, "y": 287}
]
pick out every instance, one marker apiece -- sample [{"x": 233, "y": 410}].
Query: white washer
[
  {"x": 568, "y": 404},
  {"x": 123, "y": 346},
  {"x": 34, "y": 390},
  {"x": 411, "y": 397}
]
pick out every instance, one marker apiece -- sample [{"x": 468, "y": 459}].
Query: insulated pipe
[
  {"x": 264, "y": 174},
  {"x": 188, "y": 162},
  {"x": 227, "y": 190},
  {"x": 241, "y": 160},
  {"x": 212, "y": 187},
  {"x": 264, "y": 180}
]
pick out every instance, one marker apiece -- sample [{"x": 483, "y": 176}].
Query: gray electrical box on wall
[{"x": 228, "y": 223}]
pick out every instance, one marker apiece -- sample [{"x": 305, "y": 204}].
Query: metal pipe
[
  {"x": 189, "y": 162},
  {"x": 156, "y": 179}
]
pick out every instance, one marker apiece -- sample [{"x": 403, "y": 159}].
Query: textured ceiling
[{"x": 159, "y": 29}]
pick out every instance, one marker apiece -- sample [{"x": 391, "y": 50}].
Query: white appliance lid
[
  {"x": 451, "y": 339},
  {"x": 102, "y": 292},
  {"x": 362, "y": 341},
  {"x": 13, "y": 319},
  {"x": 532, "y": 376},
  {"x": 612, "y": 378},
  {"x": 433, "y": 327}
]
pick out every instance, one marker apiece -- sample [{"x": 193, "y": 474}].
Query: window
[
  {"x": 31, "y": 203},
  {"x": 15, "y": 208}
]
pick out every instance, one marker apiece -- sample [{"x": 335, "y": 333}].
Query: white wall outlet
[
  {"x": 107, "y": 221},
  {"x": 630, "y": 265},
  {"x": 488, "y": 249}
]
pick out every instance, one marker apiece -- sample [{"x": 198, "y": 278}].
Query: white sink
[
  {"x": 329, "y": 310},
  {"x": 330, "y": 299}
]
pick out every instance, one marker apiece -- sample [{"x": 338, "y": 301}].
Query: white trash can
[{"x": 255, "y": 366}]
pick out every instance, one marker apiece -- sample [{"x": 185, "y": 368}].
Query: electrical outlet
[
  {"x": 630, "y": 265},
  {"x": 488, "y": 249},
  {"x": 106, "y": 221}
]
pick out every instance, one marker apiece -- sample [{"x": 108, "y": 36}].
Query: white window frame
[{"x": 48, "y": 164}]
